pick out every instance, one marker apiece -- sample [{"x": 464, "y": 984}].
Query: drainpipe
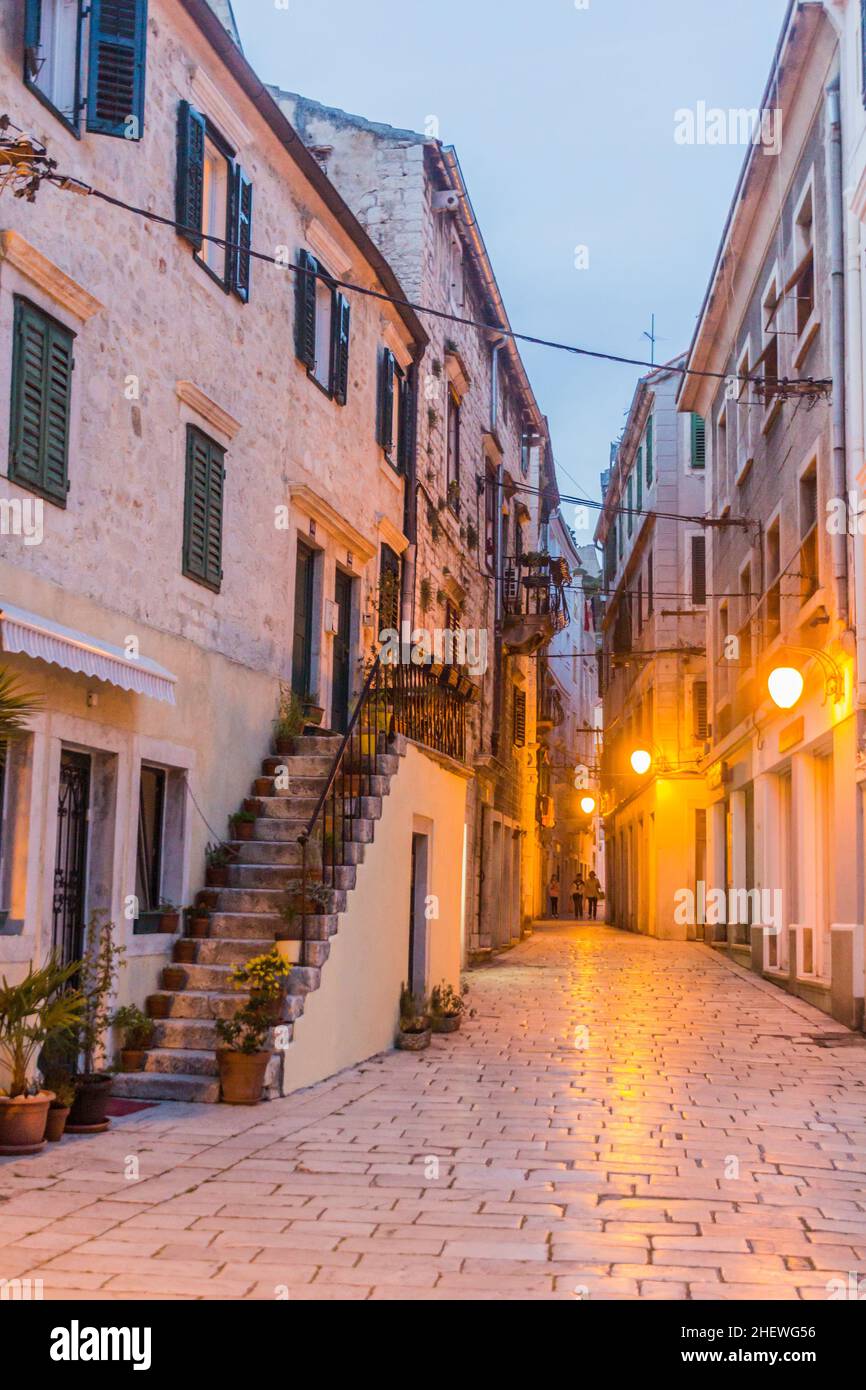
[
  {"x": 837, "y": 336},
  {"x": 410, "y": 510}
]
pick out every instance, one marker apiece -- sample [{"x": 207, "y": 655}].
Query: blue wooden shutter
[
  {"x": 41, "y": 394},
  {"x": 385, "y": 412},
  {"x": 305, "y": 308},
  {"x": 189, "y": 199},
  {"x": 203, "y": 509},
  {"x": 242, "y": 234},
  {"x": 116, "y": 66}
]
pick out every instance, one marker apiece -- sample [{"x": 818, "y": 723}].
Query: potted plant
[
  {"x": 289, "y": 722},
  {"x": 100, "y": 966},
  {"x": 244, "y": 1057},
  {"x": 286, "y": 933},
  {"x": 185, "y": 951},
  {"x": 217, "y": 859},
  {"x": 58, "y": 1110},
  {"x": 169, "y": 916},
  {"x": 42, "y": 1004},
  {"x": 173, "y": 978},
  {"x": 136, "y": 1031},
  {"x": 242, "y": 823},
  {"x": 314, "y": 713},
  {"x": 198, "y": 918},
  {"x": 413, "y": 1034},
  {"x": 266, "y": 977},
  {"x": 158, "y": 1005},
  {"x": 446, "y": 1008}
]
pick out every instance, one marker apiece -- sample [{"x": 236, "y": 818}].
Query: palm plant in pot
[
  {"x": 446, "y": 1008},
  {"x": 413, "y": 1034},
  {"x": 136, "y": 1031},
  {"x": 244, "y": 1055},
  {"x": 100, "y": 967},
  {"x": 42, "y": 1004}
]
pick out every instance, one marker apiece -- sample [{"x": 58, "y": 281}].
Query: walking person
[
  {"x": 593, "y": 888},
  {"x": 553, "y": 894},
  {"x": 577, "y": 888}
]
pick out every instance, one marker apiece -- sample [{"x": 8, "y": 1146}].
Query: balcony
[
  {"x": 550, "y": 711},
  {"x": 534, "y": 603}
]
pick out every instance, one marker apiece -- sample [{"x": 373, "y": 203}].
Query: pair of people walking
[{"x": 588, "y": 888}]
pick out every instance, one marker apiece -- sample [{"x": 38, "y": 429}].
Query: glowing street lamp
[
  {"x": 785, "y": 684},
  {"x": 641, "y": 761},
  {"x": 587, "y": 805}
]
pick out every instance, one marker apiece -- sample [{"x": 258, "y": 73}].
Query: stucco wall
[{"x": 354, "y": 1013}]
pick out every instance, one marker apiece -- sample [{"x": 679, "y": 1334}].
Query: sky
[{"x": 563, "y": 116}]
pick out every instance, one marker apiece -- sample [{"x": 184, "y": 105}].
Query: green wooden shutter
[
  {"x": 242, "y": 233},
  {"x": 385, "y": 413},
  {"x": 41, "y": 393},
  {"x": 340, "y": 321},
  {"x": 699, "y": 441},
  {"x": 519, "y": 721},
  {"x": 189, "y": 201},
  {"x": 116, "y": 66},
  {"x": 639, "y": 479},
  {"x": 305, "y": 308},
  {"x": 630, "y": 505},
  {"x": 699, "y": 570},
  {"x": 203, "y": 509},
  {"x": 404, "y": 424},
  {"x": 649, "y": 451}
]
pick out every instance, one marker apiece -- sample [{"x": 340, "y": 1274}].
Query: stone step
[
  {"x": 228, "y": 951},
  {"x": 285, "y": 830},
  {"x": 182, "y": 1086},
  {"x": 186, "y": 1061},
  {"x": 196, "y": 1033},
  {"x": 304, "y": 979},
  {"x": 206, "y": 977},
  {"x": 300, "y": 765},
  {"x": 211, "y": 1004},
  {"x": 317, "y": 743},
  {"x": 288, "y": 852},
  {"x": 251, "y": 885},
  {"x": 238, "y": 926},
  {"x": 283, "y": 807}
]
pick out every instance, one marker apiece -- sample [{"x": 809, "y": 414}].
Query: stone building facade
[
  {"x": 482, "y": 455},
  {"x": 215, "y": 503},
  {"x": 653, "y": 666},
  {"x": 785, "y": 819}
]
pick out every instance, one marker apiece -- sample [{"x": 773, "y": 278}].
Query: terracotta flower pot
[
  {"x": 199, "y": 926},
  {"x": 206, "y": 900},
  {"x": 56, "y": 1123},
  {"x": 285, "y": 747},
  {"x": 168, "y": 922},
  {"x": 242, "y": 1076},
  {"x": 243, "y": 829},
  {"x": 412, "y": 1042},
  {"x": 132, "y": 1059},
  {"x": 184, "y": 951},
  {"x": 264, "y": 786},
  {"x": 22, "y": 1122},
  {"x": 92, "y": 1093},
  {"x": 445, "y": 1023},
  {"x": 173, "y": 978},
  {"x": 251, "y": 804},
  {"x": 217, "y": 875},
  {"x": 158, "y": 1004}
]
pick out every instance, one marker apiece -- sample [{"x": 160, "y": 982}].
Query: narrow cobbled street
[{"x": 621, "y": 1118}]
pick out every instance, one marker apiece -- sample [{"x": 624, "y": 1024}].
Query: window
[
  {"x": 389, "y": 589},
  {"x": 114, "y": 33},
  {"x": 769, "y": 359},
  {"x": 214, "y": 198},
  {"x": 322, "y": 327},
  {"x": 802, "y": 282},
  {"x": 638, "y": 473},
  {"x": 743, "y": 418},
  {"x": 394, "y": 413},
  {"x": 649, "y": 584},
  {"x": 648, "y": 451},
  {"x": 699, "y": 441},
  {"x": 699, "y": 710},
  {"x": 42, "y": 364},
  {"x": 519, "y": 718},
  {"x": 490, "y": 491},
  {"x": 745, "y": 633},
  {"x": 620, "y": 532},
  {"x": 630, "y": 504},
  {"x": 720, "y": 469},
  {"x": 452, "y": 616},
  {"x": 809, "y": 560},
  {"x": 640, "y": 604},
  {"x": 453, "y": 454},
  {"x": 203, "y": 509},
  {"x": 699, "y": 570},
  {"x": 151, "y": 812},
  {"x": 774, "y": 590},
  {"x": 494, "y": 388}
]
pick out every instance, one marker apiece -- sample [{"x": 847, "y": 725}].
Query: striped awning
[{"x": 32, "y": 635}]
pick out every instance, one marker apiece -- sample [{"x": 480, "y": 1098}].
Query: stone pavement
[{"x": 622, "y": 1118}]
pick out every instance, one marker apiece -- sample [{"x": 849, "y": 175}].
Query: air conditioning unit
[{"x": 447, "y": 201}]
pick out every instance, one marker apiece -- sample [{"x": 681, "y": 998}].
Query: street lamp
[
  {"x": 785, "y": 684},
  {"x": 641, "y": 761},
  {"x": 587, "y": 805}
]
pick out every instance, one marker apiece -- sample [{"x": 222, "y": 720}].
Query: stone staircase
[{"x": 244, "y": 918}]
